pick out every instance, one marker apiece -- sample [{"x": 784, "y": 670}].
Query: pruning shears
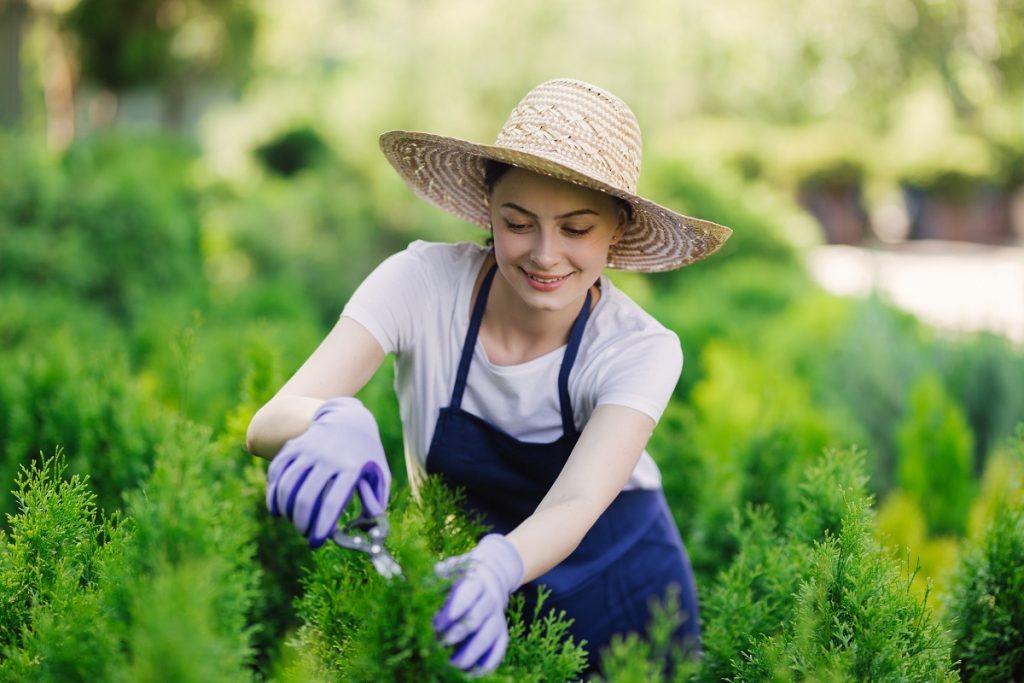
[{"x": 366, "y": 534}]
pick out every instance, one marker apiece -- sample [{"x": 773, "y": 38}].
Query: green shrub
[
  {"x": 115, "y": 224},
  {"x": 986, "y": 608},
  {"x": 712, "y": 196},
  {"x": 163, "y": 594},
  {"x": 51, "y": 542},
  {"x": 315, "y": 236},
  {"x": 752, "y": 433},
  {"x": 879, "y": 355},
  {"x": 30, "y": 317},
  {"x": 53, "y": 623},
  {"x": 84, "y": 399},
  {"x": 935, "y": 457},
  {"x": 364, "y": 627},
  {"x": 654, "y": 657},
  {"x": 752, "y": 597},
  {"x": 731, "y": 302},
  {"x": 985, "y": 375},
  {"x": 820, "y": 600},
  {"x": 197, "y": 364}
]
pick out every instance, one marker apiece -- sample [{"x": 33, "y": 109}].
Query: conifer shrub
[
  {"x": 936, "y": 457},
  {"x": 879, "y": 355},
  {"x": 820, "y": 599},
  {"x": 114, "y": 223},
  {"x": 51, "y": 543},
  {"x": 654, "y": 656},
  {"x": 194, "y": 508},
  {"x": 53, "y": 620},
  {"x": 985, "y": 376},
  {"x": 748, "y": 436},
  {"x": 986, "y": 608},
  {"x": 364, "y": 627},
  {"x": 163, "y": 593},
  {"x": 752, "y": 596},
  {"x": 85, "y": 400}
]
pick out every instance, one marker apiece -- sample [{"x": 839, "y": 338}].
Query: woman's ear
[{"x": 623, "y": 225}]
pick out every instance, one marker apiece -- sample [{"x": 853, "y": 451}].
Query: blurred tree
[
  {"x": 169, "y": 44},
  {"x": 13, "y": 14}
]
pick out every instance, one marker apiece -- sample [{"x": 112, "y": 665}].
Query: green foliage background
[{"x": 847, "y": 481}]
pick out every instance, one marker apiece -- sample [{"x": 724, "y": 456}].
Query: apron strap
[
  {"x": 469, "y": 346},
  {"x": 568, "y": 421},
  {"x": 471, "y": 334}
]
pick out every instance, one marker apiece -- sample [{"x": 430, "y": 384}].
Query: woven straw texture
[{"x": 572, "y": 131}]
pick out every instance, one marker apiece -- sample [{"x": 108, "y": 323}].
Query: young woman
[{"x": 523, "y": 375}]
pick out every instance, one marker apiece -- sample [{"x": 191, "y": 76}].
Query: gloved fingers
[
  {"x": 309, "y": 496},
  {"x": 333, "y": 502},
  {"x": 373, "y": 503},
  {"x": 460, "y": 598},
  {"x": 378, "y": 481},
  {"x": 278, "y": 465},
  {"x": 289, "y": 483},
  {"x": 478, "y": 614},
  {"x": 470, "y": 654},
  {"x": 452, "y": 567},
  {"x": 490, "y": 660}
]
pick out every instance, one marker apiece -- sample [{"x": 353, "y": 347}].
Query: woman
[{"x": 523, "y": 375}]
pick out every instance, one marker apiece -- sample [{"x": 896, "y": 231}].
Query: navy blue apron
[{"x": 631, "y": 555}]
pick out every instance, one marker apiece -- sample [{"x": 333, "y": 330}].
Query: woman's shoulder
[
  {"x": 445, "y": 253},
  {"x": 435, "y": 266},
  {"x": 619, "y": 315},
  {"x": 621, "y": 328}
]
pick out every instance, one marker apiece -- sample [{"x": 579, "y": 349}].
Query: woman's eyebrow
[{"x": 570, "y": 214}]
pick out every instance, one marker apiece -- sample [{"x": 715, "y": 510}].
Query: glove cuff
[
  {"x": 507, "y": 565},
  {"x": 338, "y": 404}
]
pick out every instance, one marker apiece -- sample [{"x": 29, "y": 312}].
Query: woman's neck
[{"x": 513, "y": 332}]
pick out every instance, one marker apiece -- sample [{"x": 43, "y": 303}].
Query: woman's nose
[{"x": 546, "y": 249}]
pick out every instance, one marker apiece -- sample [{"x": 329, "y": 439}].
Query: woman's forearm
[
  {"x": 283, "y": 417},
  {"x": 550, "y": 534}
]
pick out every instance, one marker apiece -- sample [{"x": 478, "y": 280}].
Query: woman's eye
[
  {"x": 516, "y": 227},
  {"x": 575, "y": 232}
]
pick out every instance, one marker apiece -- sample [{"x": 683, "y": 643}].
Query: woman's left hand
[{"x": 473, "y": 615}]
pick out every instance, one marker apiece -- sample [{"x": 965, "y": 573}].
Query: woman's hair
[{"x": 494, "y": 170}]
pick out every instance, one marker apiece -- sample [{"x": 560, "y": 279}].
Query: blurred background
[{"x": 190, "y": 190}]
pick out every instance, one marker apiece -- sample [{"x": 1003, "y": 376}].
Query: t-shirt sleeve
[
  {"x": 393, "y": 297},
  {"x": 641, "y": 373}
]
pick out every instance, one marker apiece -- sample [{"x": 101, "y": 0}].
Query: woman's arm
[
  {"x": 341, "y": 366},
  {"x": 604, "y": 457}
]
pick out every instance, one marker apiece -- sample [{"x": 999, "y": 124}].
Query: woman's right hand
[{"x": 313, "y": 477}]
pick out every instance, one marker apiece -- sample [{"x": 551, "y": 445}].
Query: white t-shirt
[{"x": 417, "y": 305}]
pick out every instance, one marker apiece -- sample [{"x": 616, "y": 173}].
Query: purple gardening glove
[
  {"x": 473, "y": 615},
  {"x": 313, "y": 477}
]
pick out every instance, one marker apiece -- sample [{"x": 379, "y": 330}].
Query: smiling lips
[{"x": 545, "y": 283}]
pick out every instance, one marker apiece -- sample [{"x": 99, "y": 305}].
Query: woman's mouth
[{"x": 545, "y": 283}]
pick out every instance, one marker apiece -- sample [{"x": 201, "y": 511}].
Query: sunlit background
[{"x": 190, "y": 189}]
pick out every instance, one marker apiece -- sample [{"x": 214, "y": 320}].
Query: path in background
[{"x": 953, "y": 286}]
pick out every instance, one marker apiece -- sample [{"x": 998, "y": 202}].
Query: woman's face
[{"x": 551, "y": 238}]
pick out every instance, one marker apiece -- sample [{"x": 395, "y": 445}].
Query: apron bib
[{"x": 632, "y": 554}]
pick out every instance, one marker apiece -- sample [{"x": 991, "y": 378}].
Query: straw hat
[{"x": 572, "y": 131}]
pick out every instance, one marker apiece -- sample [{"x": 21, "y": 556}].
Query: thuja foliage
[
  {"x": 936, "y": 457},
  {"x": 363, "y": 627},
  {"x": 54, "y": 393},
  {"x": 654, "y": 656},
  {"x": 161, "y": 593},
  {"x": 48, "y": 569},
  {"x": 818, "y": 599},
  {"x": 987, "y": 607}
]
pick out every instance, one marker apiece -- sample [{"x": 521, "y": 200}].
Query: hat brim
[{"x": 449, "y": 173}]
